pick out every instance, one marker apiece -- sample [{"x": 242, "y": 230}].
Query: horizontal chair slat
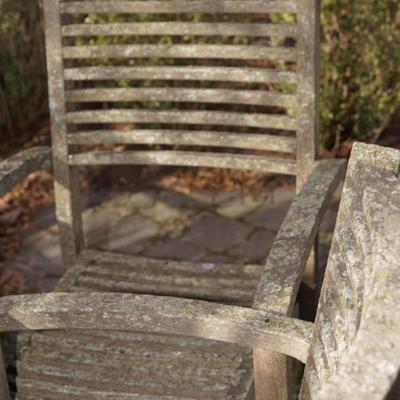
[
  {"x": 239, "y": 52},
  {"x": 183, "y": 117},
  {"x": 173, "y": 137},
  {"x": 218, "y": 74},
  {"x": 250, "y": 97},
  {"x": 181, "y": 28},
  {"x": 178, "y": 6},
  {"x": 186, "y": 158}
]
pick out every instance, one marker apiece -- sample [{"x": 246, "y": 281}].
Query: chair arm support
[
  {"x": 146, "y": 313},
  {"x": 14, "y": 169},
  {"x": 285, "y": 264}
]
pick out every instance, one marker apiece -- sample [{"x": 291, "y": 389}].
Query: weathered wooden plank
[
  {"x": 278, "y": 289},
  {"x": 223, "y": 283},
  {"x": 143, "y": 313},
  {"x": 197, "y": 138},
  {"x": 66, "y": 186},
  {"x": 168, "y": 7},
  {"x": 181, "y": 28},
  {"x": 272, "y": 121},
  {"x": 186, "y": 158},
  {"x": 293, "y": 242},
  {"x": 355, "y": 352},
  {"x": 198, "y": 51},
  {"x": 173, "y": 94},
  {"x": 308, "y": 86},
  {"x": 192, "y": 73},
  {"x": 14, "y": 169},
  {"x": 190, "y": 268}
]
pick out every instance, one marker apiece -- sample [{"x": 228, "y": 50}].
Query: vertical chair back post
[{"x": 66, "y": 182}]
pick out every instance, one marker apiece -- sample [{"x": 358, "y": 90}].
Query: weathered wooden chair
[
  {"x": 257, "y": 103},
  {"x": 351, "y": 352}
]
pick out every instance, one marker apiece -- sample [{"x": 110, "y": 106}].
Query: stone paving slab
[{"x": 206, "y": 226}]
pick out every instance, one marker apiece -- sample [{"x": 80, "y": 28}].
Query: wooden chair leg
[
  {"x": 4, "y": 389},
  {"x": 272, "y": 376}
]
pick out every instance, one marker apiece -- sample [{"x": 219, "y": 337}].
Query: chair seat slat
[
  {"x": 182, "y": 117},
  {"x": 181, "y": 28},
  {"x": 186, "y": 159},
  {"x": 238, "y": 52},
  {"x": 178, "y": 6},
  {"x": 198, "y": 138},
  {"x": 218, "y": 74},
  {"x": 170, "y": 94}
]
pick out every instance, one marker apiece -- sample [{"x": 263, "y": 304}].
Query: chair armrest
[
  {"x": 285, "y": 264},
  {"x": 14, "y": 169},
  {"x": 147, "y": 313}
]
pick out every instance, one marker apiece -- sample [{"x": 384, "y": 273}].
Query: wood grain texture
[
  {"x": 66, "y": 185},
  {"x": 145, "y": 313},
  {"x": 14, "y": 169},
  {"x": 178, "y": 95},
  {"x": 112, "y": 272},
  {"x": 188, "y": 73},
  {"x": 187, "y": 159},
  {"x": 181, "y": 28},
  {"x": 308, "y": 86},
  {"x": 174, "y": 6},
  {"x": 355, "y": 352},
  {"x": 294, "y": 240},
  {"x": 256, "y": 120},
  {"x": 198, "y": 51},
  {"x": 285, "y": 264},
  {"x": 183, "y": 137}
]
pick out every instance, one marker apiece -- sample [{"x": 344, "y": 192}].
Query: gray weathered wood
[
  {"x": 173, "y": 94},
  {"x": 196, "y": 6},
  {"x": 285, "y": 144},
  {"x": 286, "y": 263},
  {"x": 355, "y": 352},
  {"x": 144, "y": 313},
  {"x": 294, "y": 240},
  {"x": 14, "y": 169},
  {"x": 189, "y": 73},
  {"x": 308, "y": 87},
  {"x": 289, "y": 251},
  {"x": 66, "y": 185},
  {"x": 112, "y": 272},
  {"x": 273, "y": 121},
  {"x": 199, "y": 51},
  {"x": 186, "y": 158},
  {"x": 181, "y": 28}
]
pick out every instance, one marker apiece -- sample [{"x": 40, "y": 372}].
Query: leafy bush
[
  {"x": 360, "y": 67},
  {"x": 22, "y": 67},
  {"x": 360, "y": 78}
]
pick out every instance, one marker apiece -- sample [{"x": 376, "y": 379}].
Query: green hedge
[
  {"x": 360, "y": 77},
  {"x": 360, "y": 60},
  {"x": 23, "y": 87}
]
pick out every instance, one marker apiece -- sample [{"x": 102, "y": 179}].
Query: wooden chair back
[{"x": 175, "y": 79}]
